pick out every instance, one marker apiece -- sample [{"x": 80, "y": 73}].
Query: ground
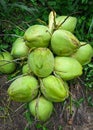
[{"x": 12, "y": 114}]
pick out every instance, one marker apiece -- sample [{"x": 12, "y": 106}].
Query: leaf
[
  {"x": 28, "y": 118},
  {"x": 91, "y": 26},
  {"x": 90, "y": 101},
  {"x": 4, "y": 5},
  {"x": 20, "y": 5}
]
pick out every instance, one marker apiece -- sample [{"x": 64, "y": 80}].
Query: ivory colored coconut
[
  {"x": 84, "y": 54},
  {"x": 19, "y": 48},
  {"x": 41, "y": 108},
  {"x": 7, "y": 65},
  {"x": 69, "y": 23},
  {"x": 64, "y": 43},
  {"x": 41, "y": 62},
  {"x": 54, "y": 88},
  {"x": 23, "y": 89},
  {"x": 67, "y": 68},
  {"x": 37, "y": 36}
]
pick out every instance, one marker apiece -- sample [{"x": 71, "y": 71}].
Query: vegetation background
[{"x": 17, "y": 15}]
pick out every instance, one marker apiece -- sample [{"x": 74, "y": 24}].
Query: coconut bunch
[{"x": 54, "y": 56}]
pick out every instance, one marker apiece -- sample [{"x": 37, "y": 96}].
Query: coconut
[
  {"x": 54, "y": 88},
  {"x": 84, "y": 54},
  {"x": 64, "y": 43},
  {"x": 41, "y": 62},
  {"x": 67, "y": 67},
  {"x": 41, "y": 108},
  {"x": 23, "y": 89},
  {"x": 26, "y": 69},
  {"x": 6, "y": 63},
  {"x": 37, "y": 36},
  {"x": 19, "y": 49},
  {"x": 69, "y": 23}
]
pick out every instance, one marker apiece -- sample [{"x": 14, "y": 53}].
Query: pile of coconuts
[{"x": 51, "y": 56}]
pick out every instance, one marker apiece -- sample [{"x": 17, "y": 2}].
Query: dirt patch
[{"x": 79, "y": 117}]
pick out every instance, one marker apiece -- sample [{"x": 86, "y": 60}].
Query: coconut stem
[
  {"x": 15, "y": 60},
  {"x": 15, "y": 78}
]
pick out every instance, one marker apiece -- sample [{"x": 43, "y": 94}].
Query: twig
[
  {"x": 19, "y": 107},
  {"x": 13, "y": 35},
  {"x": 15, "y": 78},
  {"x": 13, "y": 24},
  {"x": 8, "y": 62}
]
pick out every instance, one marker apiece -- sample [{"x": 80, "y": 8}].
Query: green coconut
[
  {"x": 84, "y": 54},
  {"x": 19, "y": 48},
  {"x": 67, "y": 68},
  {"x": 23, "y": 89},
  {"x": 41, "y": 108},
  {"x": 37, "y": 36},
  {"x": 7, "y": 65},
  {"x": 54, "y": 88},
  {"x": 26, "y": 69},
  {"x": 69, "y": 23},
  {"x": 41, "y": 62},
  {"x": 64, "y": 43}
]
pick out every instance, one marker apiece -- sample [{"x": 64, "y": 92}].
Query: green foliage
[
  {"x": 77, "y": 103},
  {"x": 90, "y": 101},
  {"x": 41, "y": 127},
  {"x": 88, "y": 73},
  {"x": 17, "y": 16}
]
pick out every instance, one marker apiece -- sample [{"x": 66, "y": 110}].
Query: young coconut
[
  {"x": 7, "y": 65},
  {"x": 69, "y": 23},
  {"x": 37, "y": 36},
  {"x": 41, "y": 62},
  {"x": 54, "y": 88},
  {"x": 19, "y": 49},
  {"x": 84, "y": 54},
  {"x": 67, "y": 68},
  {"x": 23, "y": 89},
  {"x": 26, "y": 69},
  {"x": 64, "y": 43},
  {"x": 41, "y": 108}
]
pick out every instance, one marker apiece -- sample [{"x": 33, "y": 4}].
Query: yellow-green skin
[
  {"x": 69, "y": 24},
  {"x": 84, "y": 54},
  {"x": 54, "y": 88},
  {"x": 19, "y": 48},
  {"x": 41, "y": 62},
  {"x": 23, "y": 89},
  {"x": 41, "y": 108},
  {"x": 64, "y": 43},
  {"x": 6, "y": 64},
  {"x": 37, "y": 36},
  {"x": 26, "y": 69},
  {"x": 67, "y": 68}
]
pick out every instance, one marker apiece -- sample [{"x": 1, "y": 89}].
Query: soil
[{"x": 12, "y": 114}]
